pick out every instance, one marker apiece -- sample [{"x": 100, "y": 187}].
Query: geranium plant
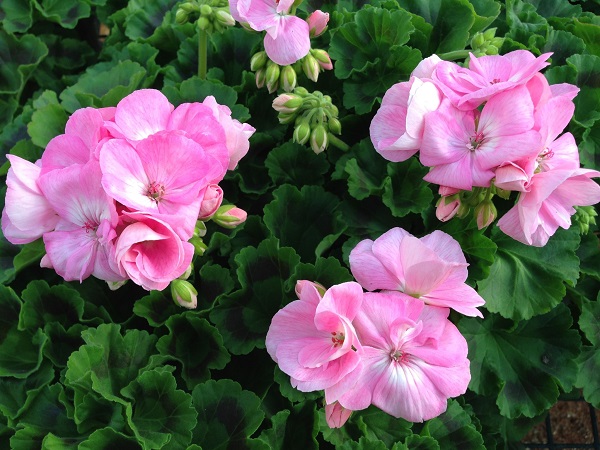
[{"x": 295, "y": 224}]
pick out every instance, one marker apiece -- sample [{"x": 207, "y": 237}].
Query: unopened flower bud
[
  {"x": 200, "y": 229},
  {"x": 302, "y": 92},
  {"x": 188, "y": 7},
  {"x": 336, "y": 415},
  {"x": 272, "y": 76},
  {"x": 199, "y": 245},
  {"x": 287, "y": 78},
  {"x": 224, "y": 18},
  {"x": 317, "y": 23},
  {"x": 489, "y": 34},
  {"x": 491, "y": 50},
  {"x": 261, "y": 75},
  {"x": 584, "y": 217},
  {"x": 287, "y": 103},
  {"x": 229, "y": 216},
  {"x": 184, "y": 294},
  {"x": 319, "y": 139},
  {"x": 322, "y": 58},
  {"x": 302, "y": 133},
  {"x": 335, "y": 126},
  {"x": 181, "y": 16},
  {"x": 447, "y": 207},
  {"x": 204, "y": 23},
  {"x": 286, "y": 118},
  {"x": 205, "y": 10},
  {"x": 213, "y": 196},
  {"x": 485, "y": 213},
  {"x": 311, "y": 67},
  {"x": 185, "y": 275},
  {"x": 477, "y": 41},
  {"x": 258, "y": 61},
  {"x": 303, "y": 284}
]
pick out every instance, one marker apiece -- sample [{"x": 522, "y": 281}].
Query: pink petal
[
  {"x": 88, "y": 125},
  {"x": 143, "y": 113},
  {"x": 289, "y": 43},
  {"x": 368, "y": 270},
  {"x": 72, "y": 253},
  {"x": 460, "y": 297},
  {"x": 63, "y": 151}
]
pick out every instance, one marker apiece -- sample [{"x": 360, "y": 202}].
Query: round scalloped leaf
[
  {"x": 404, "y": 190},
  {"x": 587, "y": 378},
  {"x": 109, "y": 439},
  {"x": 454, "y": 429},
  {"x": 66, "y": 14},
  {"x": 16, "y": 15},
  {"x": 292, "y": 163},
  {"x": 18, "y": 59}
]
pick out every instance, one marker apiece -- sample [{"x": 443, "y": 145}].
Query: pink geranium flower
[
  {"x": 288, "y": 37},
  {"x": 81, "y": 242},
  {"x": 166, "y": 173},
  {"x": 313, "y": 340},
  {"x": 149, "y": 251},
  {"x": 465, "y": 147},
  {"x": 433, "y": 269},
  {"x": 27, "y": 215},
  {"x": 414, "y": 358},
  {"x": 486, "y": 76},
  {"x": 548, "y": 204}
]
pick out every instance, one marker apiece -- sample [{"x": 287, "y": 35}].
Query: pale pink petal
[
  {"x": 260, "y": 14},
  {"x": 458, "y": 174},
  {"x": 88, "y": 125},
  {"x": 552, "y": 118},
  {"x": 445, "y": 247},
  {"x": 562, "y": 154},
  {"x": 290, "y": 43},
  {"x": 336, "y": 415},
  {"x": 426, "y": 67},
  {"x": 369, "y": 271},
  {"x": 507, "y": 113},
  {"x": 63, "y": 151},
  {"x": 345, "y": 299},
  {"x": 425, "y": 97},
  {"x": 72, "y": 252},
  {"x": 458, "y": 296},
  {"x": 143, "y": 113}
]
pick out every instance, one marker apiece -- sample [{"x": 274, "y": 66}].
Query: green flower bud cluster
[
  {"x": 480, "y": 201},
  {"x": 315, "y": 118},
  {"x": 211, "y": 16},
  {"x": 271, "y": 74},
  {"x": 486, "y": 43},
  {"x": 584, "y": 217}
]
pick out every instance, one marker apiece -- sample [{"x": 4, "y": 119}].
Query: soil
[{"x": 571, "y": 423}]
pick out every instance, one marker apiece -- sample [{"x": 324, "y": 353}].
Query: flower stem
[
  {"x": 337, "y": 142},
  {"x": 202, "y": 53},
  {"x": 456, "y": 54}
]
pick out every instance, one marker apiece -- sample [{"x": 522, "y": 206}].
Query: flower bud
[
  {"x": 213, "y": 196},
  {"x": 302, "y": 92},
  {"x": 447, "y": 207},
  {"x": 286, "y": 118},
  {"x": 477, "y": 41},
  {"x": 319, "y": 139},
  {"x": 485, "y": 213},
  {"x": 181, "y": 16},
  {"x": 310, "y": 67},
  {"x": 205, "y": 10},
  {"x": 261, "y": 75},
  {"x": 584, "y": 217},
  {"x": 229, "y": 216},
  {"x": 184, "y": 294},
  {"x": 185, "y": 275},
  {"x": 224, "y": 18},
  {"x": 114, "y": 285},
  {"x": 200, "y": 229},
  {"x": 489, "y": 34},
  {"x": 287, "y": 78},
  {"x": 272, "y": 76},
  {"x": 317, "y": 23},
  {"x": 188, "y": 7},
  {"x": 445, "y": 191},
  {"x": 258, "y": 61},
  {"x": 204, "y": 24},
  {"x": 336, "y": 415},
  {"x": 335, "y": 126},
  {"x": 287, "y": 103},
  {"x": 302, "y": 284},
  {"x": 199, "y": 245},
  {"x": 322, "y": 58},
  {"x": 302, "y": 133}
]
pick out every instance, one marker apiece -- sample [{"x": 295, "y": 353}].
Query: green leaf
[
  {"x": 145, "y": 17},
  {"x": 378, "y": 425},
  {"x": 525, "y": 281},
  {"x": 363, "y": 444},
  {"x": 62, "y": 342},
  {"x": 529, "y": 360},
  {"x": 108, "y": 361},
  {"x": 589, "y": 33},
  {"x": 243, "y": 317},
  {"x": 275, "y": 435},
  {"x": 416, "y": 442},
  {"x": 159, "y": 414},
  {"x": 109, "y": 439},
  {"x": 66, "y": 14},
  {"x": 454, "y": 429},
  {"x": 326, "y": 271},
  {"x": 288, "y": 391},
  {"x": 589, "y": 321},
  {"x": 18, "y": 59},
  {"x": 404, "y": 190},
  {"x": 486, "y": 11},
  {"x": 47, "y": 123},
  {"x": 374, "y": 33},
  {"x": 587, "y": 378},
  {"x": 227, "y": 415},
  {"x": 16, "y": 15},
  {"x": 304, "y": 219},
  {"x": 451, "y": 21},
  {"x": 214, "y": 281},
  {"x": 295, "y": 164},
  {"x": 156, "y": 308},
  {"x": 92, "y": 412},
  {"x": 43, "y": 304},
  {"x": 367, "y": 172},
  {"x": 562, "y": 44},
  {"x": 103, "y": 84},
  {"x": 196, "y": 344},
  {"x": 48, "y": 412},
  {"x": 589, "y": 147},
  {"x": 524, "y": 21},
  {"x": 29, "y": 254}
]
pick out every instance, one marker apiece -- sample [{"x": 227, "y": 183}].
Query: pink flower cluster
[
  {"x": 496, "y": 123},
  {"x": 287, "y": 37},
  {"x": 394, "y": 348},
  {"x": 118, "y": 195}
]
